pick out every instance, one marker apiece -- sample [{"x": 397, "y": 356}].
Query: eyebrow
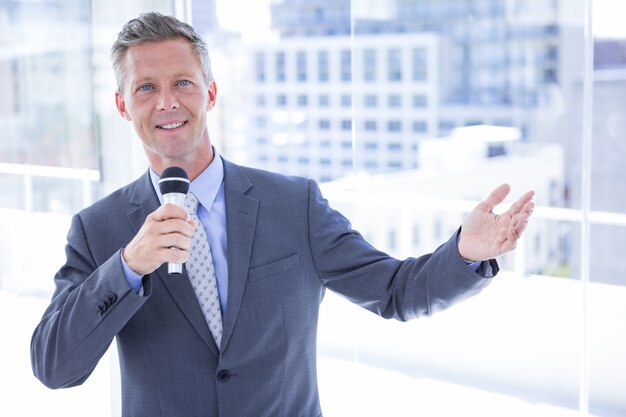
[{"x": 151, "y": 79}]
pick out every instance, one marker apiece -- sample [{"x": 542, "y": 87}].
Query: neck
[{"x": 193, "y": 168}]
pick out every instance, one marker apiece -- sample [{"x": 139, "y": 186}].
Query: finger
[
  {"x": 169, "y": 211},
  {"x": 176, "y": 241},
  {"x": 522, "y": 204},
  {"x": 174, "y": 255},
  {"x": 496, "y": 197},
  {"x": 518, "y": 225},
  {"x": 179, "y": 226}
]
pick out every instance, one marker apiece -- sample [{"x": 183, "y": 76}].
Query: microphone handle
[{"x": 179, "y": 200}]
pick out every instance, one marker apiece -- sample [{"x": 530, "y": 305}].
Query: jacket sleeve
[
  {"x": 415, "y": 287},
  {"x": 90, "y": 305}
]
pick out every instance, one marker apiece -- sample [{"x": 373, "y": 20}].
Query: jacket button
[
  {"x": 223, "y": 376},
  {"x": 101, "y": 309}
]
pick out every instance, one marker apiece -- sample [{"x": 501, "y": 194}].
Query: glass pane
[
  {"x": 469, "y": 95},
  {"x": 408, "y": 118},
  {"x": 294, "y": 116},
  {"x": 46, "y": 114},
  {"x": 56, "y": 139},
  {"x": 607, "y": 232}
]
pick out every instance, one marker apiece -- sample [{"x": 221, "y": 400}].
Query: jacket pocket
[{"x": 274, "y": 268}]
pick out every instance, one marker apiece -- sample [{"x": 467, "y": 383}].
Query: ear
[
  {"x": 212, "y": 92},
  {"x": 121, "y": 106}
]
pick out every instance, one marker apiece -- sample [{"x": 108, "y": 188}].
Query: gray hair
[{"x": 155, "y": 27}]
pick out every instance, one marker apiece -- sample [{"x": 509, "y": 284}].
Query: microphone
[{"x": 174, "y": 184}]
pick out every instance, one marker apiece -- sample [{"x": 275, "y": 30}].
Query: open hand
[{"x": 485, "y": 235}]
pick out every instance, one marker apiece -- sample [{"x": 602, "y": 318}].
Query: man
[{"x": 275, "y": 246}]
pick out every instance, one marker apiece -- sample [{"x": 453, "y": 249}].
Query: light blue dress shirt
[{"x": 208, "y": 187}]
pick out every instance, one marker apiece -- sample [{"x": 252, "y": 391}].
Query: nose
[{"x": 167, "y": 100}]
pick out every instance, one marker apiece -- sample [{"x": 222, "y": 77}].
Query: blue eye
[
  {"x": 184, "y": 82},
  {"x": 145, "y": 87}
]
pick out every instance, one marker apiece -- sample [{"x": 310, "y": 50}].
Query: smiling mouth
[{"x": 170, "y": 126}]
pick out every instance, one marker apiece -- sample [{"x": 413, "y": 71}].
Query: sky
[
  {"x": 254, "y": 23},
  {"x": 608, "y": 19}
]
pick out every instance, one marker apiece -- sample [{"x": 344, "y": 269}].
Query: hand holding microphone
[
  {"x": 166, "y": 234},
  {"x": 174, "y": 185}
]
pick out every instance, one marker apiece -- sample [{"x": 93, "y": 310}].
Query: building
[
  {"x": 414, "y": 211},
  {"x": 307, "y": 99},
  {"x": 358, "y": 86}
]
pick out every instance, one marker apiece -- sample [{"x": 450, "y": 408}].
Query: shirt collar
[{"x": 205, "y": 186}]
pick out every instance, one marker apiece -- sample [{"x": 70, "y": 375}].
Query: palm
[{"x": 486, "y": 235}]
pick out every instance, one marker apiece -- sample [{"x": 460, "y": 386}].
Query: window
[
  {"x": 260, "y": 66},
  {"x": 392, "y": 240},
  {"x": 446, "y": 126},
  {"x": 370, "y": 125},
  {"x": 324, "y": 124},
  {"x": 420, "y": 101},
  {"x": 281, "y": 100},
  {"x": 346, "y": 65},
  {"x": 370, "y": 100},
  {"x": 280, "y": 66},
  {"x": 301, "y": 68},
  {"x": 369, "y": 65},
  {"x": 261, "y": 122},
  {"x": 322, "y": 66},
  {"x": 394, "y": 64},
  {"x": 420, "y": 126},
  {"x": 394, "y": 125},
  {"x": 419, "y": 64},
  {"x": 394, "y": 100}
]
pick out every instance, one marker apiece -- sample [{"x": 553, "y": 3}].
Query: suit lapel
[
  {"x": 143, "y": 202},
  {"x": 241, "y": 218}
]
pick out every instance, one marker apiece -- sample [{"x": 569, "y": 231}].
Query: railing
[
  {"x": 432, "y": 344},
  {"x": 87, "y": 177},
  {"x": 29, "y": 231},
  {"x": 409, "y": 204}
]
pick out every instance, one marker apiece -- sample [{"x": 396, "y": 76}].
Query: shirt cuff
[
  {"x": 134, "y": 279},
  {"x": 482, "y": 268},
  {"x": 472, "y": 265}
]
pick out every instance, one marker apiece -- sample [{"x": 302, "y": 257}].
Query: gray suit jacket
[{"x": 285, "y": 247}]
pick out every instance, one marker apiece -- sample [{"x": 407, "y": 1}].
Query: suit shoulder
[
  {"x": 115, "y": 200},
  {"x": 280, "y": 183}
]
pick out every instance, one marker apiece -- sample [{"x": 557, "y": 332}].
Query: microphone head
[{"x": 174, "y": 180}]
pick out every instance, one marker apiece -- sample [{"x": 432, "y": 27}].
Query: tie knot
[{"x": 191, "y": 203}]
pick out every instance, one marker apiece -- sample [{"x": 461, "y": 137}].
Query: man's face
[{"x": 166, "y": 97}]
